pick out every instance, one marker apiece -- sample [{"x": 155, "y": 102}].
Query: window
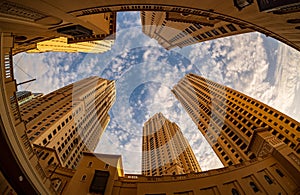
[
  {"x": 234, "y": 191},
  {"x": 279, "y": 173},
  {"x": 50, "y": 160},
  {"x": 37, "y": 133},
  {"x": 268, "y": 179},
  {"x": 254, "y": 187},
  {"x": 231, "y": 27},
  {"x": 223, "y": 30},
  {"x": 215, "y": 32},
  {"x": 83, "y": 178},
  {"x": 90, "y": 164},
  {"x": 54, "y": 132},
  {"x": 197, "y": 25}
]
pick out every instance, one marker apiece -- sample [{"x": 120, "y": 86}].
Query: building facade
[
  {"x": 26, "y": 96},
  {"x": 165, "y": 151},
  {"x": 275, "y": 171},
  {"x": 61, "y": 45},
  {"x": 35, "y": 22},
  {"x": 228, "y": 118},
  {"x": 64, "y": 123},
  {"x": 172, "y": 29},
  {"x": 32, "y": 22}
]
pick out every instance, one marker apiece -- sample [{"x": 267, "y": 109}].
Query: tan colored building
[
  {"x": 228, "y": 118},
  {"x": 25, "y": 23},
  {"x": 26, "y": 96},
  {"x": 275, "y": 171},
  {"x": 165, "y": 151},
  {"x": 172, "y": 29},
  {"x": 35, "y": 22},
  {"x": 95, "y": 174},
  {"x": 61, "y": 45},
  {"x": 69, "y": 121}
]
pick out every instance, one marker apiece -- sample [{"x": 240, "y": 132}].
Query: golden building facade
[
  {"x": 165, "y": 151},
  {"x": 96, "y": 174},
  {"x": 61, "y": 45},
  {"x": 228, "y": 118},
  {"x": 172, "y": 29},
  {"x": 35, "y": 21},
  {"x": 275, "y": 171},
  {"x": 66, "y": 122}
]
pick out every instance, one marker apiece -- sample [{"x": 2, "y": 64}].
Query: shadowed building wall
[{"x": 179, "y": 30}]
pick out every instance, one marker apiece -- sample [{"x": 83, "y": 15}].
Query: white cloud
[{"x": 240, "y": 62}]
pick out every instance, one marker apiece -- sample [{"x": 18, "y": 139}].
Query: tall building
[
  {"x": 165, "y": 151},
  {"x": 227, "y": 118},
  {"x": 64, "y": 123},
  {"x": 26, "y": 96},
  {"x": 35, "y": 22},
  {"x": 61, "y": 45},
  {"x": 173, "y": 29}
]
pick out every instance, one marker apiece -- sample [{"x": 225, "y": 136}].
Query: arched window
[
  {"x": 41, "y": 154},
  {"x": 50, "y": 160},
  {"x": 268, "y": 179},
  {"x": 45, "y": 156},
  {"x": 254, "y": 187},
  {"x": 90, "y": 164},
  {"x": 279, "y": 173},
  {"x": 83, "y": 178},
  {"x": 234, "y": 191}
]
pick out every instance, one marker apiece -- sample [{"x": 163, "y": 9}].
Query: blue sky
[{"x": 144, "y": 72}]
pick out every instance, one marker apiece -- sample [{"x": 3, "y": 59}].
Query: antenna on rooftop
[{"x": 25, "y": 82}]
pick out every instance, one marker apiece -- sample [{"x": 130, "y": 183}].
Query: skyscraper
[
  {"x": 165, "y": 150},
  {"x": 228, "y": 118},
  {"x": 64, "y": 123},
  {"x": 61, "y": 45},
  {"x": 173, "y": 29},
  {"x": 26, "y": 96}
]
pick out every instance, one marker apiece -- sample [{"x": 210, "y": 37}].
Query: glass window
[
  {"x": 234, "y": 191},
  {"x": 268, "y": 179},
  {"x": 254, "y": 187}
]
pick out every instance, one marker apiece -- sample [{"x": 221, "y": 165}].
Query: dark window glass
[
  {"x": 268, "y": 179},
  {"x": 223, "y": 30},
  {"x": 279, "y": 173},
  {"x": 234, "y": 191},
  {"x": 231, "y": 27},
  {"x": 254, "y": 187}
]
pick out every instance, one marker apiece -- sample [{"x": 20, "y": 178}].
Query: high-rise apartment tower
[
  {"x": 165, "y": 150},
  {"x": 64, "y": 123},
  {"x": 173, "y": 29},
  {"x": 60, "y": 44},
  {"x": 228, "y": 118}
]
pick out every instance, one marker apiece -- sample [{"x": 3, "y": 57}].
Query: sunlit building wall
[
  {"x": 61, "y": 45},
  {"x": 95, "y": 174},
  {"x": 66, "y": 122},
  {"x": 26, "y": 96},
  {"x": 228, "y": 118},
  {"x": 165, "y": 151}
]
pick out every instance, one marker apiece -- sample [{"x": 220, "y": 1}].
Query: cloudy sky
[{"x": 144, "y": 72}]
